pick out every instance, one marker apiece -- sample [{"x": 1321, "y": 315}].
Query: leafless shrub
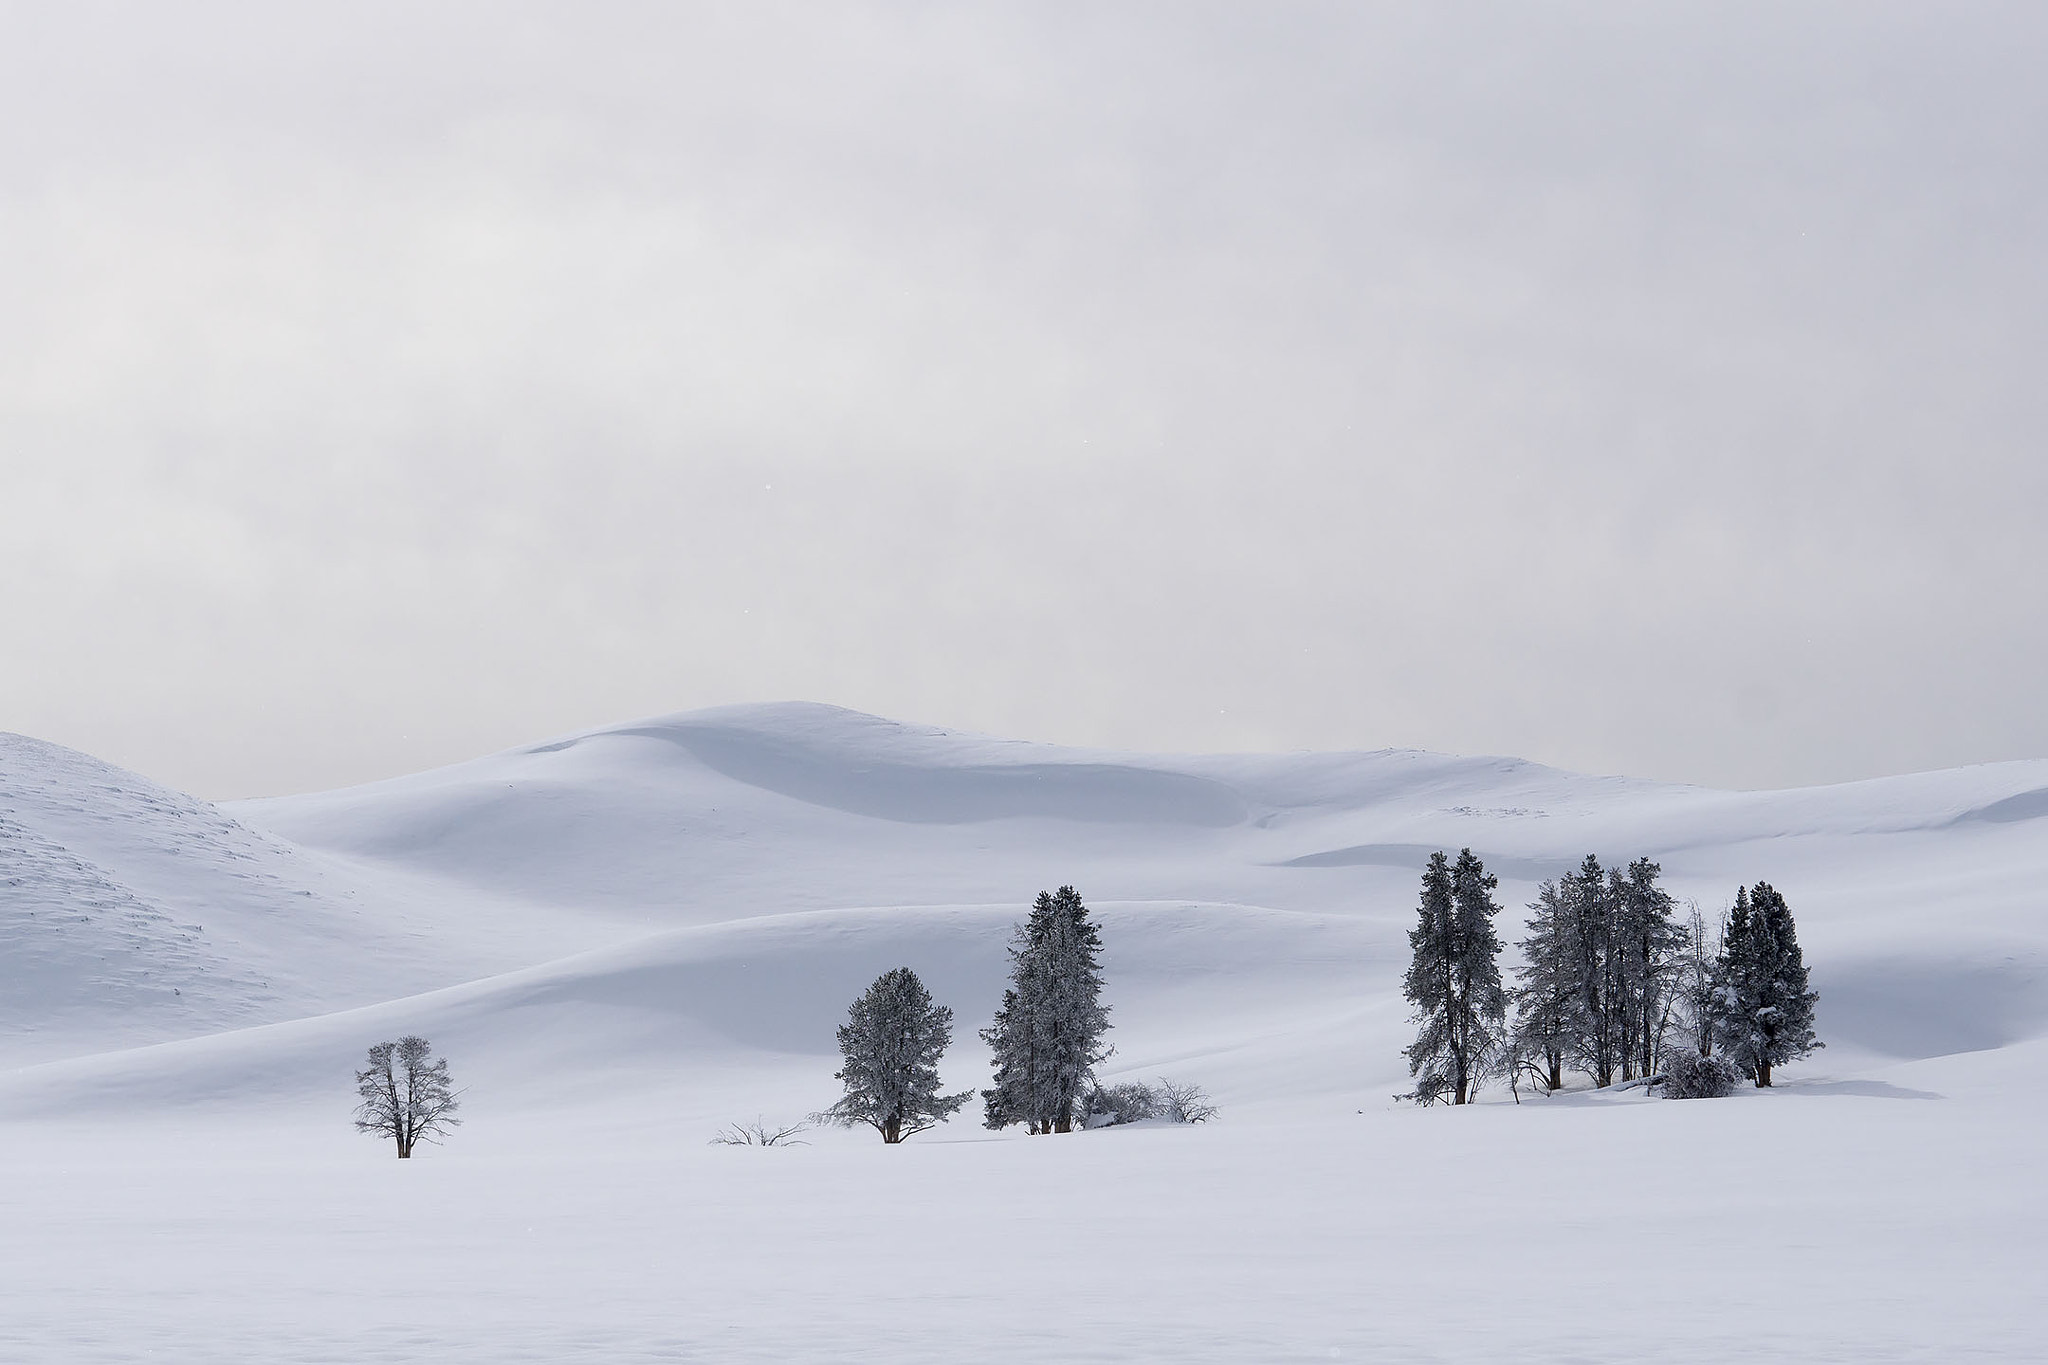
[
  {"x": 1127, "y": 1102},
  {"x": 1184, "y": 1102},
  {"x": 759, "y": 1134}
]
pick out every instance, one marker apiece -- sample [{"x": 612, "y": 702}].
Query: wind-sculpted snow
[
  {"x": 130, "y": 913},
  {"x": 1411, "y": 856},
  {"x": 89, "y": 961},
  {"x": 2031, "y": 805}
]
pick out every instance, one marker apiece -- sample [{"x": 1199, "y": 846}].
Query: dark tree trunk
[{"x": 1763, "y": 1075}]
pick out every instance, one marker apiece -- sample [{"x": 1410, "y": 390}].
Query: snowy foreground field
[{"x": 625, "y": 940}]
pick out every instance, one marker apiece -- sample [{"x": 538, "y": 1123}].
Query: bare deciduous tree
[{"x": 405, "y": 1094}]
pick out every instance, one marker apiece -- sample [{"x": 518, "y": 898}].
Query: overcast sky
[{"x": 1640, "y": 388}]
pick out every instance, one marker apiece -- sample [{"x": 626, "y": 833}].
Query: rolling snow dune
[
  {"x": 757, "y": 811},
  {"x": 628, "y": 937}
]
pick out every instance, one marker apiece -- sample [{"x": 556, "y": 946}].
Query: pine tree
[
  {"x": 1047, "y": 1037},
  {"x": 890, "y": 1047},
  {"x": 1454, "y": 980},
  {"x": 1546, "y": 995},
  {"x": 1009, "y": 1039},
  {"x": 1646, "y": 944},
  {"x": 1767, "y": 1009},
  {"x": 1589, "y": 899}
]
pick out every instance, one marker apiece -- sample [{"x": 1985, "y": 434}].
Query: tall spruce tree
[
  {"x": 1546, "y": 991},
  {"x": 1047, "y": 1036},
  {"x": 1766, "y": 1009},
  {"x": 1454, "y": 980},
  {"x": 1646, "y": 946},
  {"x": 1589, "y": 901}
]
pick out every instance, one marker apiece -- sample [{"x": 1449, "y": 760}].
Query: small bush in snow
[
  {"x": 1185, "y": 1102},
  {"x": 759, "y": 1134},
  {"x": 1689, "y": 1076},
  {"x": 1174, "y": 1101},
  {"x": 1126, "y": 1103}
]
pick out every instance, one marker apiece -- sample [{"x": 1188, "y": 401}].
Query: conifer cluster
[{"x": 1608, "y": 976}]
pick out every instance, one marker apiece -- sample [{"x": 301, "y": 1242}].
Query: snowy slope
[
  {"x": 1923, "y": 888},
  {"x": 130, "y": 913},
  {"x": 626, "y": 938}
]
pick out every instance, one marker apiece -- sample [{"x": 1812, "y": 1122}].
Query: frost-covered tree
[
  {"x": 889, "y": 1050},
  {"x": 1697, "y": 974},
  {"x": 1047, "y": 1036},
  {"x": 1766, "y": 1008},
  {"x": 1454, "y": 980},
  {"x": 405, "y": 1094},
  {"x": 1010, "y": 1099},
  {"x": 1546, "y": 992},
  {"x": 1647, "y": 944}
]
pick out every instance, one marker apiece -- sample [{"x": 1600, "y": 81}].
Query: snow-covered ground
[{"x": 626, "y": 939}]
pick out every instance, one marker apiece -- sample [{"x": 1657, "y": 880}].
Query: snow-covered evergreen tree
[
  {"x": 1047, "y": 1037},
  {"x": 1009, "y": 1040},
  {"x": 1646, "y": 945},
  {"x": 1767, "y": 1010},
  {"x": 1546, "y": 994},
  {"x": 889, "y": 1049},
  {"x": 1454, "y": 980},
  {"x": 1589, "y": 900}
]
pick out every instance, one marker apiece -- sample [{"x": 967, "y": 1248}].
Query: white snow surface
[{"x": 624, "y": 939}]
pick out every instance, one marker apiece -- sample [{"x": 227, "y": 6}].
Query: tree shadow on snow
[{"x": 1876, "y": 1090}]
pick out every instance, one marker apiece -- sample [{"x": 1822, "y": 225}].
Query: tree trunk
[
  {"x": 1556, "y": 1076},
  {"x": 1763, "y": 1074}
]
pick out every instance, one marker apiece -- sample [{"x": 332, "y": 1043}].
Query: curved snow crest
[{"x": 849, "y": 762}]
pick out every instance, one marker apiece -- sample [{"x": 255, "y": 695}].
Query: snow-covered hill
[
  {"x": 151, "y": 915},
  {"x": 627, "y": 937}
]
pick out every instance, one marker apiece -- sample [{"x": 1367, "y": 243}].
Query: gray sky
[{"x": 1653, "y": 389}]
